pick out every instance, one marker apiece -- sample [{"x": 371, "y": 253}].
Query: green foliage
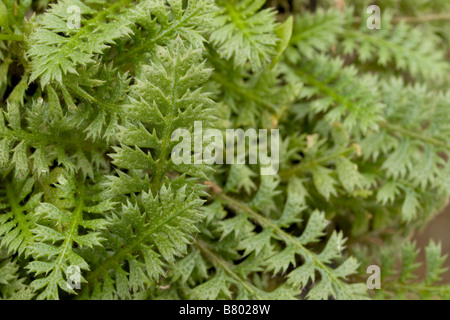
[
  {"x": 89, "y": 123},
  {"x": 402, "y": 46},
  {"x": 245, "y": 33},
  {"x": 54, "y": 55},
  {"x": 17, "y": 224},
  {"x": 403, "y": 283},
  {"x": 12, "y": 287},
  {"x": 57, "y": 234}
]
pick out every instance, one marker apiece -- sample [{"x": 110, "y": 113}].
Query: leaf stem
[
  {"x": 219, "y": 262},
  {"x": 423, "y": 18},
  {"x": 11, "y": 37},
  {"x": 19, "y": 217},
  {"x": 415, "y": 135},
  {"x": 307, "y": 165}
]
